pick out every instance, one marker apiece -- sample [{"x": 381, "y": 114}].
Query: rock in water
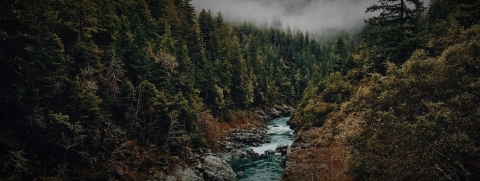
[
  {"x": 239, "y": 174},
  {"x": 282, "y": 149},
  {"x": 269, "y": 152}
]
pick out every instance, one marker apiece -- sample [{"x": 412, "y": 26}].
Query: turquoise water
[{"x": 266, "y": 167}]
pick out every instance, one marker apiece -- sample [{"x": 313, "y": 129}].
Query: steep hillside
[
  {"x": 409, "y": 119},
  {"x": 321, "y": 153},
  {"x": 100, "y": 89}
]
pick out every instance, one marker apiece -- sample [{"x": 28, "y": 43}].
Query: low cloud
[{"x": 315, "y": 16}]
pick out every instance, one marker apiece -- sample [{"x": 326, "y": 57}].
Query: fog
[{"x": 315, "y": 16}]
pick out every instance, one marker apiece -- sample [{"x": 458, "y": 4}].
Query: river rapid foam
[{"x": 266, "y": 166}]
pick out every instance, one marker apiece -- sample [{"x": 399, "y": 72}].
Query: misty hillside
[
  {"x": 402, "y": 106},
  {"x": 314, "y": 16}
]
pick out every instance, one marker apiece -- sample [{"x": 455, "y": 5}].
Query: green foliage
[
  {"x": 323, "y": 100},
  {"x": 199, "y": 142},
  {"x": 90, "y": 86},
  {"x": 468, "y": 13},
  {"x": 315, "y": 112},
  {"x": 394, "y": 34},
  {"x": 419, "y": 117},
  {"x": 337, "y": 89},
  {"x": 421, "y": 120}
]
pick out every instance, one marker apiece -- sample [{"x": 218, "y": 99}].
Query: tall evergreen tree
[
  {"x": 207, "y": 29},
  {"x": 171, "y": 17},
  {"x": 395, "y": 32}
]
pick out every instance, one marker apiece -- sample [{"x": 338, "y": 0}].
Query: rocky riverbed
[
  {"x": 321, "y": 153},
  {"x": 206, "y": 165},
  {"x": 238, "y": 139},
  {"x": 268, "y": 166}
]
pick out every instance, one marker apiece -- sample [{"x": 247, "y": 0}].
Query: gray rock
[
  {"x": 171, "y": 178},
  {"x": 269, "y": 152},
  {"x": 239, "y": 174},
  {"x": 275, "y": 112},
  {"x": 267, "y": 114},
  {"x": 251, "y": 153},
  {"x": 282, "y": 149},
  {"x": 290, "y": 121},
  {"x": 216, "y": 168},
  {"x": 188, "y": 175},
  {"x": 226, "y": 155},
  {"x": 234, "y": 147}
]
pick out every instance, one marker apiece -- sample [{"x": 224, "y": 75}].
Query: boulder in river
[
  {"x": 269, "y": 152},
  {"x": 282, "y": 149},
  {"x": 248, "y": 137},
  {"x": 276, "y": 111},
  {"x": 251, "y": 153},
  {"x": 239, "y": 174}
]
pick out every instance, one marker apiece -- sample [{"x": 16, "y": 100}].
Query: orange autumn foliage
[{"x": 215, "y": 129}]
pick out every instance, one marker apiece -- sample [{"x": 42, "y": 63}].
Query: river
[{"x": 266, "y": 167}]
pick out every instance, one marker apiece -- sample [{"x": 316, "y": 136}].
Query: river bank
[
  {"x": 321, "y": 153},
  {"x": 205, "y": 164}
]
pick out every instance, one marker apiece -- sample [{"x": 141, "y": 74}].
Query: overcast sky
[{"x": 314, "y": 16}]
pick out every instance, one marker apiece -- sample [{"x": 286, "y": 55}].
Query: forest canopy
[
  {"x": 99, "y": 89},
  {"x": 107, "y": 90},
  {"x": 412, "y": 89}
]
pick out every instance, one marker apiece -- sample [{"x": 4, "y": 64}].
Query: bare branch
[
  {"x": 166, "y": 60},
  {"x": 115, "y": 72}
]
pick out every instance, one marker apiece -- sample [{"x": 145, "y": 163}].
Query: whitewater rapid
[
  {"x": 279, "y": 133},
  {"x": 266, "y": 167}
]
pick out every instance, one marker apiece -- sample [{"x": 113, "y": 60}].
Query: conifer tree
[
  {"x": 207, "y": 29},
  {"x": 339, "y": 49},
  {"x": 394, "y": 34},
  {"x": 469, "y": 14},
  {"x": 91, "y": 88},
  {"x": 171, "y": 17},
  {"x": 185, "y": 71}
]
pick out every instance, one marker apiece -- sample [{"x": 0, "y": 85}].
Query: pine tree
[
  {"x": 81, "y": 18},
  {"x": 276, "y": 22},
  {"x": 469, "y": 14},
  {"x": 239, "y": 69},
  {"x": 219, "y": 21},
  {"x": 92, "y": 88},
  {"x": 339, "y": 49},
  {"x": 156, "y": 8},
  {"x": 185, "y": 71},
  {"x": 168, "y": 42},
  {"x": 207, "y": 29},
  {"x": 137, "y": 63},
  {"x": 224, "y": 60},
  {"x": 395, "y": 33},
  {"x": 171, "y": 17}
]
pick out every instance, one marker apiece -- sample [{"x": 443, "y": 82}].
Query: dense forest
[
  {"x": 111, "y": 90},
  {"x": 100, "y": 89},
  {"x": 412, "y": 86}
]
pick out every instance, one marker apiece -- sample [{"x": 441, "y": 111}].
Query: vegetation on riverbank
[
  {"x": 127, "y": 90},
  {"x": 97, "y": 90},
  {"x": 413, "y": 91}
]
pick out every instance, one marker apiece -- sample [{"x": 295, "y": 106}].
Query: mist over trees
[
  {"x": 314, "y": 16},
  {"x": 104, "y": 90}
]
